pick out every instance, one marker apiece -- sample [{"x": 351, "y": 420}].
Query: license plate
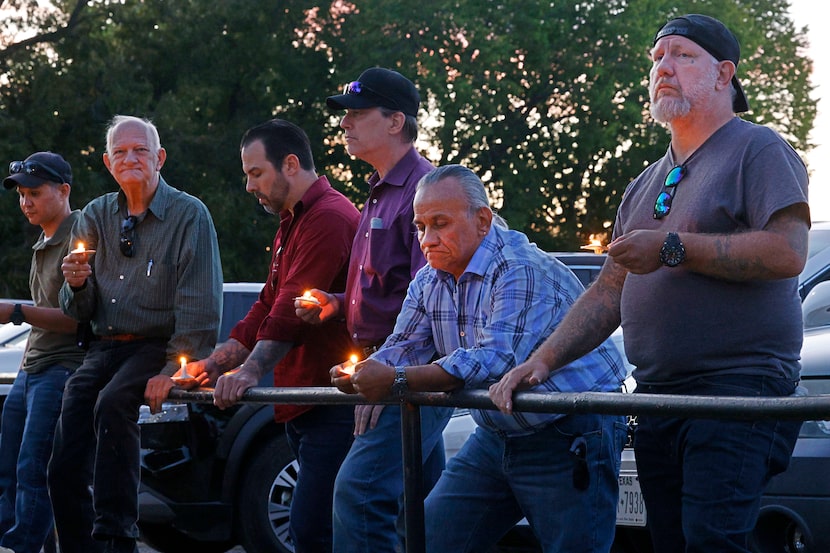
[{"x": 631, "y": 511}]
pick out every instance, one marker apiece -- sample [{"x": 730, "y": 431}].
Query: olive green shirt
[{"x": 46, "y": 348}]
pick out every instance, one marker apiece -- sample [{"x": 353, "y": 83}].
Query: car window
[{"x": 819, "y": 240}]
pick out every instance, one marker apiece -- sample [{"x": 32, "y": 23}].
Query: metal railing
[{"x": 741, "y": 408}]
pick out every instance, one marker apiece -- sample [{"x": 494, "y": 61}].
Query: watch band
[
  {"x": 400, "y": 386},
  {"x": 17, "y": 317}
]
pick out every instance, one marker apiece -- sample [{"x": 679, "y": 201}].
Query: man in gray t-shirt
[{"x": 702, "y": 274}]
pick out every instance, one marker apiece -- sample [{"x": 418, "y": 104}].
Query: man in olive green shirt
[{"x": 43, "y": 182}]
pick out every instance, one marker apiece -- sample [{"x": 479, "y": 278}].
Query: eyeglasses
[
  {"x": 357, "y": 88},
  {"x": 33, "y": 168},
  {"x": 663, "y": 204},
  {"x": 127, "y": 241}
]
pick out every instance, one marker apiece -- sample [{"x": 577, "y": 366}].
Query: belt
[{"x": 122, "y": 337}]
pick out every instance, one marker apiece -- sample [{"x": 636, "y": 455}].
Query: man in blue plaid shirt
[{"x": 485, "y": 301}]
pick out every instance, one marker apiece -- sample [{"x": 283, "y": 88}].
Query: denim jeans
[
  {"x": 569, "y": 498},
  {"x": 320, "y": 439},
  {"x": 702, "y": 480},
  {"x": 97, "y": 443},
  {"x": 369, "y": 486},
  {"x": 28, "y": 428}
]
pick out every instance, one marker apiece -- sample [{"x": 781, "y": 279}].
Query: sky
[{"x": 804, "y": 13}]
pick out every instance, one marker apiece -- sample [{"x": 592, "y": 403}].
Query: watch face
[{"x": 672, "y": 253}]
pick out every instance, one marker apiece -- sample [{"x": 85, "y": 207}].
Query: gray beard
[{"x": 665, "y": 110}]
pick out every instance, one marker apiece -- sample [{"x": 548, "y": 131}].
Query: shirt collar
[
  {"x": 400, "y": 172},
  {"x": 483, "y": 256},
  {"x": 158, "y": 205},
  {"x": 316, "y": 191}
]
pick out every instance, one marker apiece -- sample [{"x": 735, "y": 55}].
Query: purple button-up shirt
[{"x": 385, "y": 254}]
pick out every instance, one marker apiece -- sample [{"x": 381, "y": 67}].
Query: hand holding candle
[
  {"x": 183, "y": 379},
  {"x": 348, "y": 367}
]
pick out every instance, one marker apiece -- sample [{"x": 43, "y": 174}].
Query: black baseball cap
[
  {"x": 37, "y": 169},
  {"x": 378, "y": 87},
  {"x": 715, "y": 38}
]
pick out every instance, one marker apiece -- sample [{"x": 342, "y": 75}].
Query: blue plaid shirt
[{"x": 508, "y": 301}]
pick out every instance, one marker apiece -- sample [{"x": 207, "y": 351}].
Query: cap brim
[
  {"x": 349, "y": 101},
  {"x": 739, "y": 104},
  {"x": 24, "y": 180}
]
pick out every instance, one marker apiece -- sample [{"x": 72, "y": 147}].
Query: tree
[{"x": 545, "y": 100}]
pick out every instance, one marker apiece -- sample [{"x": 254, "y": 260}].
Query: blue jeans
[
  {"x": 702, "y": 480},
  {"x": 369, "y": 485},
  {"x": 97, "y": 443},
  {"x": 320, "y": 439},
  {"x": 28, "y": 428},
  {"x": 569, "y": 498}
]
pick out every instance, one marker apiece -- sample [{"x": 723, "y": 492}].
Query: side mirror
[{"x": 815, "y": 308}]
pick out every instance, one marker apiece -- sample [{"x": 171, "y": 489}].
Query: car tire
[
  {"x": 166, "y": 539},
  {"x": 266, "y": 488}
]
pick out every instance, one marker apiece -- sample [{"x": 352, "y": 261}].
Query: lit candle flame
[
  {"x": 307, "y": 295},
  {"x": 348, "y": 366},
  {"x": 595, "y": 245},
  {"x": 183, "y": 361},
  {"x": 80, "y": 248}
]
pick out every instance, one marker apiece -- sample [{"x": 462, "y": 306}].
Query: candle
[
  {"x": 183, "y": 362},
  {"x": 595, "y": 246},
  {"x": 81, "y": 248},
  {"x": 307, "y": 297},
  {"x": 348, "y": 366}
]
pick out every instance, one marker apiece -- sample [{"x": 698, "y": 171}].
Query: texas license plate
[{"x": 631, "y": 511}]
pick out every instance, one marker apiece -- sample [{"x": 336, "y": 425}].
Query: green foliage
[{"x": 545, "y": 100}]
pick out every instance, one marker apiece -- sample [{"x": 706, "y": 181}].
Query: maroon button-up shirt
[{"x": 311, "y": 250}]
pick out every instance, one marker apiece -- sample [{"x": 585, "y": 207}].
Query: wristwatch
[
  {"x": 400, "y": 386},
  {"x": 17, "y": 317},
  {"x": 672, "y": 253}
]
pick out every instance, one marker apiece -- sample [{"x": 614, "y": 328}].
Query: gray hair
[
  {"x": 152, "y": 131},
  {"x": 471, "y": 187}
]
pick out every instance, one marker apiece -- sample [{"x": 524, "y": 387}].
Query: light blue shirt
[{"x": 506, "y": 303}]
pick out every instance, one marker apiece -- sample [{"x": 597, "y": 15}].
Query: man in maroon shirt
[
  {"x": 381, "y": 127},
  {"x": 311, "y": 250}
]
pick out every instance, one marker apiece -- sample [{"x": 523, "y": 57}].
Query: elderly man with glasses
[{"x": 152, "y": 291}]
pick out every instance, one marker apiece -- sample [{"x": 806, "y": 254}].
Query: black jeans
[{"x": 97, "y": 444}]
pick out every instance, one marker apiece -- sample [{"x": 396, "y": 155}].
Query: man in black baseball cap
[
  {"x": 36, "y": 169},
  {"x": 33, "y": 404},
  {"x": 378, "y": 87},
  {"x": 380, "y": 127},
  {"x": 715, "y": 38}
]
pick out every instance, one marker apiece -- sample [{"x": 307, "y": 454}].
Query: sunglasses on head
[
  {"x": 33, "y": 168},
  {"x": 357, "y": 88},
  {"x": 662, "y": 205},
  {"x": 127, "y": 241}
]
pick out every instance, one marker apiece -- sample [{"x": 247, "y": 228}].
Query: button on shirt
[
  {"x": 385, "y": 254},
  {"x": 507, "y": 302},
  {"x": 170, "y": 288}
]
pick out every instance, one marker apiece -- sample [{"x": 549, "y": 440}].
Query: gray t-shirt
[{"x": 680, "y": 325}]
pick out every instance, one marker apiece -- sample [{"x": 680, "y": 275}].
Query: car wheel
[
  {"x": 166, "y": 539},
  {"x": 265, "y": 492}
]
